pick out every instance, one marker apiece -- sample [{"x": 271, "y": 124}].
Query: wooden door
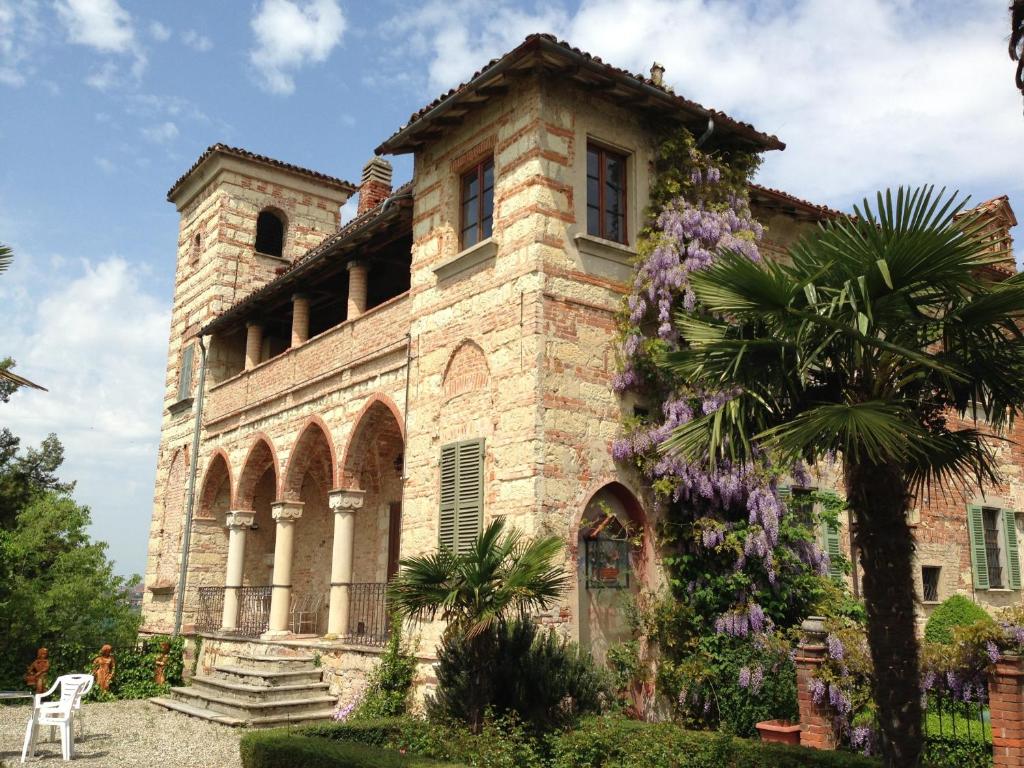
[{"x": 394, "y": 537}]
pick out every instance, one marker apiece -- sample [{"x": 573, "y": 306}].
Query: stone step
[
  {"x": 187, "y": 709},
  {"x": 266, "y": 678},
  {"x": 246, "y": 692},
  {"x": 256, "y": 722},
  {"x": 251, "y": 710},
  {"x": 277, "y": 663}
]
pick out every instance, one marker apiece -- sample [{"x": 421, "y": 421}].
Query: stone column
[
  {"x": 253, "y": 344},
  {"x": 300, "y": 319},
  {"x": 239, "y": 521},
  {"x": 344, "y": 502},
  {"x": 1006, "y": 705},
  {"x": 815, "y": 719},
  {"x": 285, "y": 513},
  {"x": 357, "y": 272}
]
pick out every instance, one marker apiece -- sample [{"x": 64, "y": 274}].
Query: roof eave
[{"x": 402, "y": 141}]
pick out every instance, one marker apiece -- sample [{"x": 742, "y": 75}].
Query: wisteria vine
[{"x": 737, "y": 541}]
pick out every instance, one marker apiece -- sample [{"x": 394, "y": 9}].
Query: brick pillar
[
  {"x": 253, "y": 344},
  {"x": 815, "y": 719},
  {"x": 1006, "y": 704},
  {"x": 356, "y": 289},
  {"x": 300, "y": 319},
  {"x": 375, "y": 186}
]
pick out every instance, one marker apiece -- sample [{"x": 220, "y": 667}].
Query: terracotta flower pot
[{"x": 779, "y": 731}]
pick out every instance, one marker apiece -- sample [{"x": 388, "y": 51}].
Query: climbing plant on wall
[{"x": 739, "y": 562}]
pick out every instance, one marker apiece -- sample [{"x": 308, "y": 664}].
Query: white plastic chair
[{"x": 59, "y": 714}]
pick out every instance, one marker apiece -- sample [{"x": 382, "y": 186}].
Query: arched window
[{"x": 269, "y": 234}]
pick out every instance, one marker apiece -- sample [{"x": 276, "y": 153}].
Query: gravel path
[{"x": 127, "y": 734}]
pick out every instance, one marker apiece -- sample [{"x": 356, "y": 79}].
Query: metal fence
[
  {"x": 956, "y": 727},
  {"x": 368, "y": 615},
  {"x": 253, "y": 610},
  {"x": 209, "y": 608}
]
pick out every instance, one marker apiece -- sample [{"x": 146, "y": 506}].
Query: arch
[
  {"x": 638, "y": 519},
  {"x": 313, "y": 452},
  {"x": 378, "y": 433},
  {"x": 218, "y": 472},
  {"x": 467, "y": 370},
  {"x": 260, "y": 458},
  {"x": 271, "y": 225}
]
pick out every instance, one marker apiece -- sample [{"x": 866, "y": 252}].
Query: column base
[{"x": 276, "y": 634}]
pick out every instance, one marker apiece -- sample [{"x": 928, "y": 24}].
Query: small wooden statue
[
  {"x": 103, "y": 668},
  {"x": 160, "y": 676},
  {"x": 36, "y": 677}
]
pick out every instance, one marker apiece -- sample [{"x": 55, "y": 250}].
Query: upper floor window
[
  {"x": 477, "y": 198},
  {"x": 606, "y": 194},
  {"x": 185, "y": 372},
  {"x": 269, "y": 234}
]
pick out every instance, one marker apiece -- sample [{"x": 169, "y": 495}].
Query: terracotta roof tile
[
  {"x": 245, "y": 154},
  {"x": 555, "y": 45},
  {"x": 778, "y": 194}
]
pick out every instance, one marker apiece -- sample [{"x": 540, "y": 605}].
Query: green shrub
[
  {"x": 946, "y": 752},
  {"x": 285, "y": 749},
  {"x": 955, "y": 611},
  {"x": 546, "y": 682},
  {"x": 612, "y": 742},
  {"x": 136, "y": 667},
  {"x": 387, "y": 694}
]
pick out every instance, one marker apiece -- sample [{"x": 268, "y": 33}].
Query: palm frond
[{"x": 6, "y": 256}]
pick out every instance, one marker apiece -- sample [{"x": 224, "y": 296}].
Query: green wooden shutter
[
  {"x": 470, "y": 494},
  {"x": 979, "y": 556},
  {"x": 185, "y": 374},
  {"x": 835, "y": 552},
  {"x": 785, "y": 494},
  {"x": 449, "y": 475},
  {"x": 1012, "y": 555}
]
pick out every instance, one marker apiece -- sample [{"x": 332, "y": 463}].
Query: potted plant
[{"x": 779, "y": 731}]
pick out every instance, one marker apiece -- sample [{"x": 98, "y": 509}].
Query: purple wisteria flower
[
  {"x": 744, "y": 677},
  {"x": 992, "y": 650},
  {"x": 835, "y": 647}
]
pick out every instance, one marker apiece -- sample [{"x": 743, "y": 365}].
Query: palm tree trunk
[{"x": 879, "y": 499}]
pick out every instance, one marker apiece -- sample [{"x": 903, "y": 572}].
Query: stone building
[{"x": 444, "y": 359}]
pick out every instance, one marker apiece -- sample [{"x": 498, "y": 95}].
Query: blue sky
[{"x": 107, "y": 102}]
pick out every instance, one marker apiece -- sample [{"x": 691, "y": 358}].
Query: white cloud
[
  {"x": 106, "y": 165},
  {"x": 100, "y": 24},
  {"x": 107, "y": 28},
  {"x": 290, "y": 35},
  {"x": 866, "y": 94},
  {"x": 20, "y": 33},
  {"x": 159, "y": 32},
  {"x": 161, "y": 133},
  {"x": 97, "y": 341},
  {"x": 196, "y": 41}
]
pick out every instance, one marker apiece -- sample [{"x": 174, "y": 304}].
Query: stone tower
[{"x": 244, "y": 219}]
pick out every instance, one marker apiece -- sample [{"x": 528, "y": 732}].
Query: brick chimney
[{"x": 375, "y": 185}]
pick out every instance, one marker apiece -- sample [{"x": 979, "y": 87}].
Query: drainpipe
[
  {"x": 707, "y": 134},
  {"x": 190, "y": 493}
]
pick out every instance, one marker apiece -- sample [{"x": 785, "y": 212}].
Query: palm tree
[
  {"x": 1017, "y": 40},
  {"x": 883, "y": 326},
  {"x": 502, "y": 575},
  {"x": 9, "y": 380}
]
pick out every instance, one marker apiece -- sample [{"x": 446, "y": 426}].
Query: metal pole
[{"x": 191, "y": 492}]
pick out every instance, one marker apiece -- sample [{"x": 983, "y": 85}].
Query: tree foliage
[
  {"x": 57, "y": 586},
  {"x": 860, "y": 345}
]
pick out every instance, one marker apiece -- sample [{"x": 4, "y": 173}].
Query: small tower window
[{"x": 269, "y": 234}]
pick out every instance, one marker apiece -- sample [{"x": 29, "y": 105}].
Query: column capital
[
  {"x": 299, "y": 296},
  {"x": 342, "y": 499},
  {"x": 355, "y": 264},
  {"x": 253, "y": 324},
  {"x": 286, "y": 510},
  {"x": 240, "y": 518}
]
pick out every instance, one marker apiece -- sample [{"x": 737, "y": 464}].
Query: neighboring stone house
[{"x": 442, "y": 360}]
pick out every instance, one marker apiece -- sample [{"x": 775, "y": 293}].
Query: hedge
[
  {"x": 290, "y": 749},
  {"x": 599, "y": 742}
]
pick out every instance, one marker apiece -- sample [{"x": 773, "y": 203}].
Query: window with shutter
[
  {"x": 1012, "y": 555},
  {"x": 185, "y": 372},
  {"x": 979, "y": 554},
  {"x": 462, "y": 494},
  {"x": 835, "y": 552}
]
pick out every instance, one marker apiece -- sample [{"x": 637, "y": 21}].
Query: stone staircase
[{"x": 257, "y": 691}]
